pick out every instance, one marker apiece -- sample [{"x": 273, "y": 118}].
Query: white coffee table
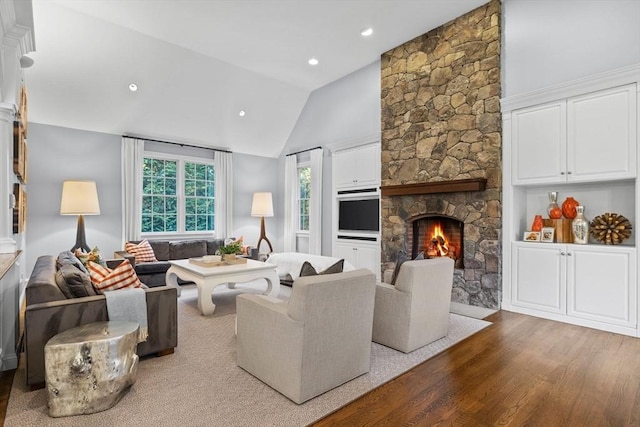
[{"x": 207, "y": 278}]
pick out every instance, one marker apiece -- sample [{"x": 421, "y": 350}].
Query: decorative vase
[
  {"x": 580, "y": 227},
  {"x": 537, "y": 223},
  {"x": 553, "y": 210},
  {"x": 569, "y": 207}
]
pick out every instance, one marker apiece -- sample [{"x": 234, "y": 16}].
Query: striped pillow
[
  {"x": 142, "y": 251},
  {"x": 105, "y": 279}
]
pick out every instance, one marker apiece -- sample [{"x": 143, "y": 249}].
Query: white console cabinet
[
  {"x": 591, "y": 137},
  {"x": 357, "y": 167},
  {"x": 579, "y": 139}
]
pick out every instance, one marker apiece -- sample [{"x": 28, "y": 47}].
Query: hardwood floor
[{"x": 520, "y": 371}]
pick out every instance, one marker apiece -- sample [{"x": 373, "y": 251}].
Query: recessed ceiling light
[
  {"x": 133, "y": 87},
  {"x": 242, "y": 113},
  {"x": 313, "y": 61},
  {"x": 366, "y": 32}
]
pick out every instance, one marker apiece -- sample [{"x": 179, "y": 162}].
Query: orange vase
[
  {"x": 555, "y": 213},
  {"x": 537, "y": 223},
  {"x": 569, "y": 208}
]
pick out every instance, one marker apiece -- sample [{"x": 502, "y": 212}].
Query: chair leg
[{"x": 165, "y": 352}]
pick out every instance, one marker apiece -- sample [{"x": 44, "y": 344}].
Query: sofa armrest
[
  {"x": 45, "y": 320},
  {"x": 125, "y": 255}
]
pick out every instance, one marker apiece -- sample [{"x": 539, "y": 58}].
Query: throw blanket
[{"x": 129, "y": 305}]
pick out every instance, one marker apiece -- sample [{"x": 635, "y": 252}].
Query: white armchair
[
  {"x": 318, "y": 340},
  {"x": 415, "y": 311}
]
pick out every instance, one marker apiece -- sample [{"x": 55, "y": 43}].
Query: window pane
[
  {"x": 146, "y": 204},
  {"x": 210, "y": 173},
  {"x": 189, "y": 188},
  {"x": 190, "y": 223},
  {"x": 201, "y": 188},
  {"x": 190, "y": 206},
  {"x": 202, "y": 222},
  {"x": 189, "y": 170},
  {"x": 170, "y": 186},
  {"x": 171, "y": 204},
  {"x": 201, "y": 171},
  {"x": 171, "y": 223},
  {"x": 158, "y": 167},
  {"x": 210, "y": 189},
  {"x": 146, "y": 223},
  {"x": 158, "y": 223}
]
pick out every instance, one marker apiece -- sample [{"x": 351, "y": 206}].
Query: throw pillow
[
  {"x": 68, "y": 258},
  {"x": 400, "y": 259},
  {"x": 93, "y": 255},
  {"x": 106, "y": 279},
  {"x": 74, "y": 283},
  {"x": 308, "y": 270},
  {"x": 143, "y": 252}
]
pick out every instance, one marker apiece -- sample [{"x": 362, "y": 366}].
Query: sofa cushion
[
  {"x": 67, "y": 257},
  {"x": 160, "y": 249},
  {"x": 42, "y": 286},
  {"x": 152, "y": 267},
  {"x": 105, "y": 279},
  {"x": 187, "y": 249},
  {"x": 143, "y": 252},
  {"x": 213, "y": 246},
  {"x": 74, "y": 283}
]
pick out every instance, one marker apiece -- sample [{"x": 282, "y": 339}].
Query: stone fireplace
[
  {"x": 436, "y": 236},
  {"x": 441, "y": 149}
]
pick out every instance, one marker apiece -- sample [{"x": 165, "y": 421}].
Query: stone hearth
[{"x": 441, "y": 122}]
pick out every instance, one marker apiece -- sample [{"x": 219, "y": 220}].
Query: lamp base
[
  {"x": 263, "y": 236},
  {"x": 81, "y": 241}
]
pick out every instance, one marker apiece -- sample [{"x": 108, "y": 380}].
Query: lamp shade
[
  {"x": 79, "y": 198},
  {"x": 262, "y": 204}
]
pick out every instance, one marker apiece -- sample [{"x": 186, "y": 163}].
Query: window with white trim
[
  {"x": 304, "y": 194},
  {"x": 177, "y": 194}
]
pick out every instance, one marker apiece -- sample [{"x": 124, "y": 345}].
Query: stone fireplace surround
[{"x": 441, "y": 127}]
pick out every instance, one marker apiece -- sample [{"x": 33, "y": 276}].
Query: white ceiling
[{"x": 197, "y": 63}]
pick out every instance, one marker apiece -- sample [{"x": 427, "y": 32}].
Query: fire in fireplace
[{"x": 438, "y": 236}]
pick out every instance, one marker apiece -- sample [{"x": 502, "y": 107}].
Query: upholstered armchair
[
  {"x": 318, "y": 340},
  {"x": 415, "y": 311}
]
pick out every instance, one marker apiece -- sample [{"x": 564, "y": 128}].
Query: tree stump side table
[{"x": 90, "y": 367}]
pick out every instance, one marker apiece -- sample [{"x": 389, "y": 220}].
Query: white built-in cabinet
[
  {"x": 361, "y": 254},
  {"x": 357, "y": 167},
  {"x": 583, "y": 138},
  {"x": 579, "y": 139},
  {"x": 356, "y": 175}
]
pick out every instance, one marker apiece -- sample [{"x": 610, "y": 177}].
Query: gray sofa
[
  {"x": 49, "y": 312},
  {"x": 153, "y": 273}
]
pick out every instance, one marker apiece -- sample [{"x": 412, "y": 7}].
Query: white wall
[
  {"x": 57, "y": 154},
  {"x": 338, "y": 113},
  {"x": 547, "y": 42}
]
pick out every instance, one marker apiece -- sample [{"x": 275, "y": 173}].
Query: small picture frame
[
  {"x": 531, "y": 236},
  {"x": 547, "y": 234}
]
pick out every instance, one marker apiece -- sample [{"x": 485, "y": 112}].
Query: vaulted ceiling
[{"x": 198, "y": 63}]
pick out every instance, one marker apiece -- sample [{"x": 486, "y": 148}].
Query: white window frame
[
  {"x": 181, "y": 233},
  {"x": 300, "y": 232}
]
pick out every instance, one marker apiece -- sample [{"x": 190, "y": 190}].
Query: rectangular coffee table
[{"x": 207, "y": 278}]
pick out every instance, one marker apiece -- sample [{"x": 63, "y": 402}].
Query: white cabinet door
[
  {"x": 539, "y": 276},
  {"x": 368, "y": 165},
  {"x": 539, "y": 144},
  {"x": 602, "y": 134},
  {"x": 344, "y": 168},
  {"x": 602, "y": 284},
  {"x": 345, "y": 250}
]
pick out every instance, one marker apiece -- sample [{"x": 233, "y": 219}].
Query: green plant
[{"x": 230, "y": 248}]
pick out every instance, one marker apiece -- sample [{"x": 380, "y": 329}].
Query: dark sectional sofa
[
  {"x": 49, "y": 312},
  {"x": 153, "y": 273}
]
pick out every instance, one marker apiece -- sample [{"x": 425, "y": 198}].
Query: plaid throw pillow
[
  {"x": 105, "y": 279},
  {"x": 142, "y": 251}
]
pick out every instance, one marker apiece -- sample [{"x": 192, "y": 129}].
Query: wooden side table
[{"x": 90, "y": 367}]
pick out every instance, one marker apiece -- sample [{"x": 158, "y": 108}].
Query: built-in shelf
[{"x": 455, "y": 186}]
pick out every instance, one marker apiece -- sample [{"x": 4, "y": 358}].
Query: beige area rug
[{"x": 200, "y": 384}]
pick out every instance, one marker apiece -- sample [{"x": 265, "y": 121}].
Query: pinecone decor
[{"x": 610, "y": 228}]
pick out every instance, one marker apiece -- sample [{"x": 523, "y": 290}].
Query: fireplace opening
[{"x": 437, "y": 236}]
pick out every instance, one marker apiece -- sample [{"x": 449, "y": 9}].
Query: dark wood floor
[{"x": 519, "y": 371}]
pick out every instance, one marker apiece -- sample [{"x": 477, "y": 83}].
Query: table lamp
[
  {"x": 262, "y": 206},
  {"x": 79, "y": 198}
]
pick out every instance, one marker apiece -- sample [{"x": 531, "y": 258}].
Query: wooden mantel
[{"x": 458, "y": 185}]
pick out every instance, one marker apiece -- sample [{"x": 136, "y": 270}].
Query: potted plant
[{"x": 230, "y": 249}]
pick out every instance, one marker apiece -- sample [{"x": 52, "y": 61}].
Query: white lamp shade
[
  {"x": 262, "y": 204},
  {"x": 79, "y": 198}
]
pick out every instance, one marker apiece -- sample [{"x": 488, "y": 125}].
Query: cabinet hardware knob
[
  {"x": 562, "y": 253},
  {"x": 561, "y": 173},
  {"x": 569, "y": 173},
  {"x": 569, "y": 254}
]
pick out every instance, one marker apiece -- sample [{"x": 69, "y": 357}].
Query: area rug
[{"x": 200, "y": 384}]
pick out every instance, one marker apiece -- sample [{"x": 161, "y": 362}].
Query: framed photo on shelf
[
  {"x": 531, "y": 236},
  {"x": 19, "y": 152},
  {"x": 547, "y": 234},
  {"x": 19, "y": 209}
]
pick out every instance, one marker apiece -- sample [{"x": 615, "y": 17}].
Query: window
[
  {"x": 304, "y": 193},
  {"x": 177, "y": 195}
]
